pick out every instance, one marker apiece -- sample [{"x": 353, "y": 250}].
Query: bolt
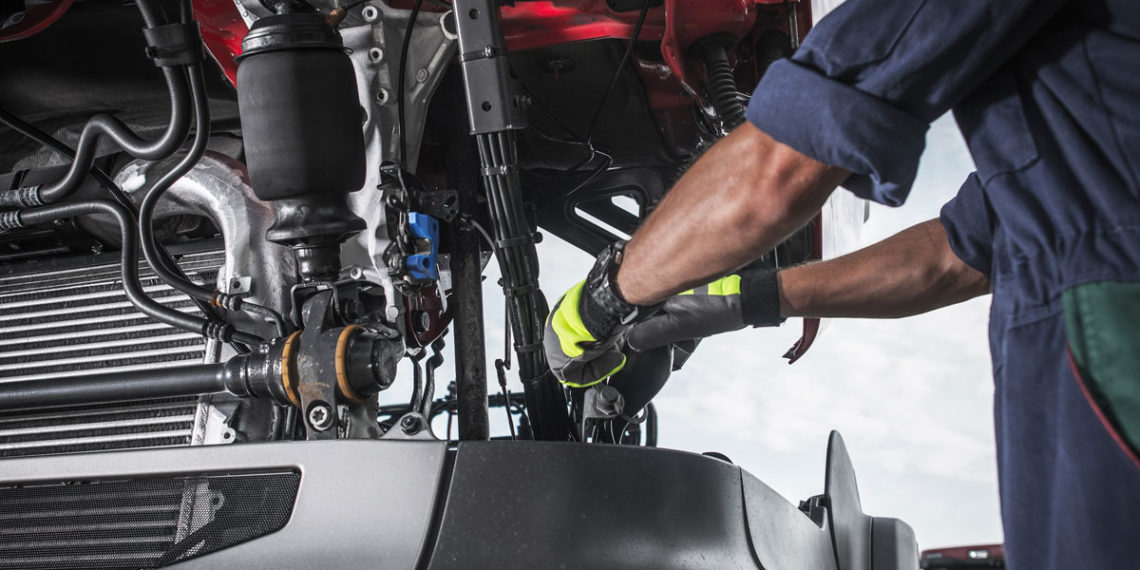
[
  {"x": 375, "y": 55},
  {"x": 320, "y": 416},
  {"x": 421, "y": 76},
  {"x": 370, "y": 13},
  {"x": 424, "y": 323},
  {"x": 382, "y": 96},
  {"x": 410, "y": 425},
  {"x": 235, "y": 284}
]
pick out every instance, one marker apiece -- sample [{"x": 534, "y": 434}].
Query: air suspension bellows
[{"x": 301, "y": 121}]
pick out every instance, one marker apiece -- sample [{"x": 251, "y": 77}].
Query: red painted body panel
[
  {"x": 687, "y": 21},
  {"x": 222, "y": 32},
  {"x": 965, "y": 553},
  {"x": 33, "y": 20}
]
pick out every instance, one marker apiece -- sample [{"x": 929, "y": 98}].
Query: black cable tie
[
  {"x": 516, "y": 291},
  {"x": 10, "y": 220},
  {"x": 174, "y": 44},
  {"x": 528, "y": 239},
  {"x": 26, "y": 197},
  {"x": 528, "y": 348}
]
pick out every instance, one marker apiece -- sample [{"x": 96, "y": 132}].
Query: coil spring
[{"x": 722, "y": 88}]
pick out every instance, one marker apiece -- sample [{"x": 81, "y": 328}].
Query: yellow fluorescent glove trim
[
  {"x": 689, "y": 292},
  {"x": 725, "y": 286},
  {"x": 591, "y": 383},
  {"x": 730, "y": 285},
  {"x": 567, "y": 323}
]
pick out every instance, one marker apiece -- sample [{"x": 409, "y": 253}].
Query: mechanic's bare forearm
[
  {"x": 739, "y": 200},
  {"x": 912, "y": 272}
]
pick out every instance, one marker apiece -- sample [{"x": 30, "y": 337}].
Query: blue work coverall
[{"x": 1047, "y": 95}]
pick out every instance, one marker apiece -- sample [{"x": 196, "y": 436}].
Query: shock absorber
[{"x": 301, "y": 121}]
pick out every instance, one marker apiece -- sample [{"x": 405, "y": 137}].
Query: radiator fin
[{"x": 60, "y": 323}]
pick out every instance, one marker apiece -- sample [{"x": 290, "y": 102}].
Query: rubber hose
[
  {"x": 149, "y": 243},
  {"x": 130, "y": 274},
  {"x": 722, "y": 88}
]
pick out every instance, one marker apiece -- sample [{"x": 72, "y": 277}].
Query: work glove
[
  {"x": 584, "y": 331},
  {"x": 751, "y": 297}
]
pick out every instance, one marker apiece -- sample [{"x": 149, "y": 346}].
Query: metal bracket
[
  {"x": 491, "y": 103},
  {"x": 412, "y": 425}
]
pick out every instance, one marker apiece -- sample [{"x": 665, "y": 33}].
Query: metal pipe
[
  {"x": 218, "y": 188},
  {"x": 466, "y": 269},
  {"x": 115, "y": 387},
  {"x": 470, "y": 346}
]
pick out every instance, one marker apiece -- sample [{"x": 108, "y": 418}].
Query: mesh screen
[{"x": 139, "y": 523}]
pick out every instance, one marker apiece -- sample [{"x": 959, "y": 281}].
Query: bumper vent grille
[
  {"x": 59, "y": 323},
  {"x": 139, "y": 523}
]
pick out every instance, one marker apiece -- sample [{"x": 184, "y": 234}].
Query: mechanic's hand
[
  {"x": 727, "y": 304},
  {"x": 585, "y": 329}
]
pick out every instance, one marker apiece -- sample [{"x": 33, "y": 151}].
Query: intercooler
[{"x": 61, "y": 321}]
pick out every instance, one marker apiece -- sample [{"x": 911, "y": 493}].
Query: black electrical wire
[
  {"x": 130, "y": 275},
  {"x": 400, "y": 83},
  {"x": 417, "y": 380},
  {"x": 617, "y": 73}
]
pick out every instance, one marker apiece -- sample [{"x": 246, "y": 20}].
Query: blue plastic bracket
[{"x": 424, "y": 228}]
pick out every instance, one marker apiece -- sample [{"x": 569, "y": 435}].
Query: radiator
[{"x": 66, "y": 322}]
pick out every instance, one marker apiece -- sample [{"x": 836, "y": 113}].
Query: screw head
[
  {"x": 421, "y": 76},
  {"x": 410, "y": 425},
  {"x": 370, "y": 13},
  {"x": 320, "y": 416}
]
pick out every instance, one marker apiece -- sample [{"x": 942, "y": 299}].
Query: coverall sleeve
[
  {"x": 872, "y": 75},
  {"x": 968, "y": 220}
]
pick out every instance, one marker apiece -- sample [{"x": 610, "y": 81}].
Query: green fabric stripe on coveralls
[{"x": 1103, "y": 324}]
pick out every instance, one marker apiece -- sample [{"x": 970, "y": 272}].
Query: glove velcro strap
[
  {"x": 600, "y": 320},
  {"x": 760, "y": 298}
]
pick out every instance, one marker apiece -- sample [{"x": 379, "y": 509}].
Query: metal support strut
[{"x": 493, "y": 112}]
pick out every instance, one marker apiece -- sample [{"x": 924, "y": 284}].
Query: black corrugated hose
[{"x": 722, "y": 88}]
